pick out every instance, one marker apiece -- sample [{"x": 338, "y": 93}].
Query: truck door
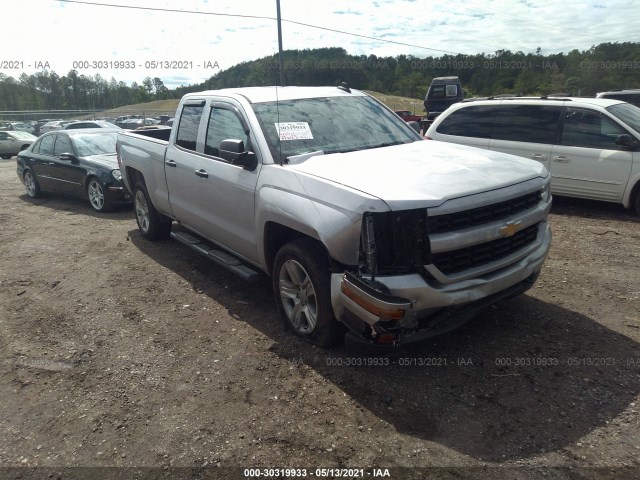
[
  {"x": 181, "y": 164},
  {"x": 226, "y": 192}
]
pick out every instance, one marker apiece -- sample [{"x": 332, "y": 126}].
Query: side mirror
[
  {"x": 68, "y": 156},
  {"x": 233, "y": 151},
  {"x": 626, "y": 140}
]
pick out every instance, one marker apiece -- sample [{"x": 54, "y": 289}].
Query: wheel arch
[
  {"x": 133, "y": 176},
  {"x": 277, "y": 235}
]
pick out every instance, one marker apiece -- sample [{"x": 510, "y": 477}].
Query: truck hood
[{"x": 422, "y": 173}]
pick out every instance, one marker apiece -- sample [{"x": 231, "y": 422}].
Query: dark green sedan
[{"x": 81, "y": 163}]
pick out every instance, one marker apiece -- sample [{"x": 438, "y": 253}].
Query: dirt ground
[{"x": 120, "y": 352}]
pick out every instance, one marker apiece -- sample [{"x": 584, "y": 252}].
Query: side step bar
[{"x": 219, "y": 256}]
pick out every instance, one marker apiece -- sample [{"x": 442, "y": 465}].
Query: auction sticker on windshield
[{"x": 294, "y": 131}]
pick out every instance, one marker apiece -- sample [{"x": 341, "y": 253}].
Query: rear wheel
[
  {"x": 636, "y": 201},
  {"x": 6, "y": 156},
  {"x": 30, "y": 184},
  {"x": 301, "y": 285},
  {"x": 152, "y": 224}
]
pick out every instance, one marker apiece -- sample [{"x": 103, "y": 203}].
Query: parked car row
[
  {"x": 590, "y": 146},
  {"x": 48, "y": 125},
  {"x": 17, "y": 127},
  {"x": 12, "y": 142},
  {"x": 78, "y": 162}
]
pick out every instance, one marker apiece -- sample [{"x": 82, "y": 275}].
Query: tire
[
  {"x": 31, "y": 184},
  {"x": 6, "y": 156},
  {"x": 97, "y": 196},
  {"x": 152, "y": 225},
  {"x": 301, "y": 286},
  {"x": 636, "y": 201}
]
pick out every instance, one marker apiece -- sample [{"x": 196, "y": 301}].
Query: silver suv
[{"x": 590, "y": 146}]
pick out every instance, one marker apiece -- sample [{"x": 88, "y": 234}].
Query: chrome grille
[
  {"x": 465, "y": 258},
  {"x": 482, "y": 215}
]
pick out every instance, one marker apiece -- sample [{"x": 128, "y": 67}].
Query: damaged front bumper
[{"x": 407, "y": 308}]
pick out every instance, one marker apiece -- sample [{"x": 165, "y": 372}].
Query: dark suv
[{"x": 443, "y": 92}]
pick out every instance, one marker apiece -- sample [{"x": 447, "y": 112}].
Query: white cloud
[{"x": 63, "y": 33}]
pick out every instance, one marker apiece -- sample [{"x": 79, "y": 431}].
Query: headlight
[{"x": 116, "y": 174}]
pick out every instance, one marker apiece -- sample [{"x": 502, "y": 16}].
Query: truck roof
[{"x": 271, "y": 94}]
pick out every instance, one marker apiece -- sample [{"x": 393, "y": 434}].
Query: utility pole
[{"x": 280, "y": 59}]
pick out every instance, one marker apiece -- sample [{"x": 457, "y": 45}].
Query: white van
[{"x": 591, "y": 146}]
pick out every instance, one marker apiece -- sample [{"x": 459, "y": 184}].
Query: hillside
[
  {"x": 583, "y": 73},
  {"x": 159, "y": 107}
]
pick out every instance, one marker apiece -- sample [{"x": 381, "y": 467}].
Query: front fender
[{"x": 328, "y": 212}]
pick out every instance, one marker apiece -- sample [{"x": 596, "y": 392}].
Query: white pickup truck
[{"x": 358, "y": 224}]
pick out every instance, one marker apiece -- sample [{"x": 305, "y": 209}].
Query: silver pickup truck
[{"x": 358, "y": 224}]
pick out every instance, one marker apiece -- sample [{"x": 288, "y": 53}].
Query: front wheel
[
  {"x": 97, "y": 197},
  {"x": 301, "y": 285},
  {"x": 152, "y": 224},
  {"x": 636, "y": 201}
]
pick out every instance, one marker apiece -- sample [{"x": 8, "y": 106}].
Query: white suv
[{"x": 591, "y": 146}]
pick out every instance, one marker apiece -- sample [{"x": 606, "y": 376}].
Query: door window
[
  {"x": 46, "y": 145},
  {"x": 188, "y": 128},
  {"x": 588, "y": 129},
  {"x": 527, "y": 123},
  {"x": 63, "y": 145},
  {"x": 473, "y": 121},
  {"x": 223, "y": 125}
]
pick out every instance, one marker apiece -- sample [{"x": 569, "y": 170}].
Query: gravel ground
[{"x": 119, "y": 352}]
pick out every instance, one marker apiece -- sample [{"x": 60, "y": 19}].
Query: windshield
[
  {"x": 330, "y": 125},
  {"x": 629, "y": 114},
  {"x": 95, "y": 144}
]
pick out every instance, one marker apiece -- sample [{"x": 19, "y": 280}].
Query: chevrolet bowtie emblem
[{"x": 509, "y": 229}]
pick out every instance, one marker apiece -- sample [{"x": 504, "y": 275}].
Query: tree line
[{"x": 603, "y": 67}]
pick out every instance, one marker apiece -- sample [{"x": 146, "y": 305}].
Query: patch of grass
[
  {"x": 400, "y": 103},
  {"x": 157, "y": 107}
]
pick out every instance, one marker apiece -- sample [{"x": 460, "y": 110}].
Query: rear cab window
[{"x": 187, "y": 134}]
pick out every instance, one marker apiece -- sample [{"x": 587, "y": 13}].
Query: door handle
[
  {"x": 202, "y": 173},
  {"x": 538, "y": 156},
  {"x": 170, "y": 163},
  {"x": 50, "y": 163},
  {"x": 561, "y": 159}
]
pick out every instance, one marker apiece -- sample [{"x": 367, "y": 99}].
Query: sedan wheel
[
  {"x": 30, "y": 184},
  {"x": 95, "y": 191}
]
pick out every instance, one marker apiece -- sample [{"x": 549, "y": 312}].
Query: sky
[{"x": 188, "y": 48}]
